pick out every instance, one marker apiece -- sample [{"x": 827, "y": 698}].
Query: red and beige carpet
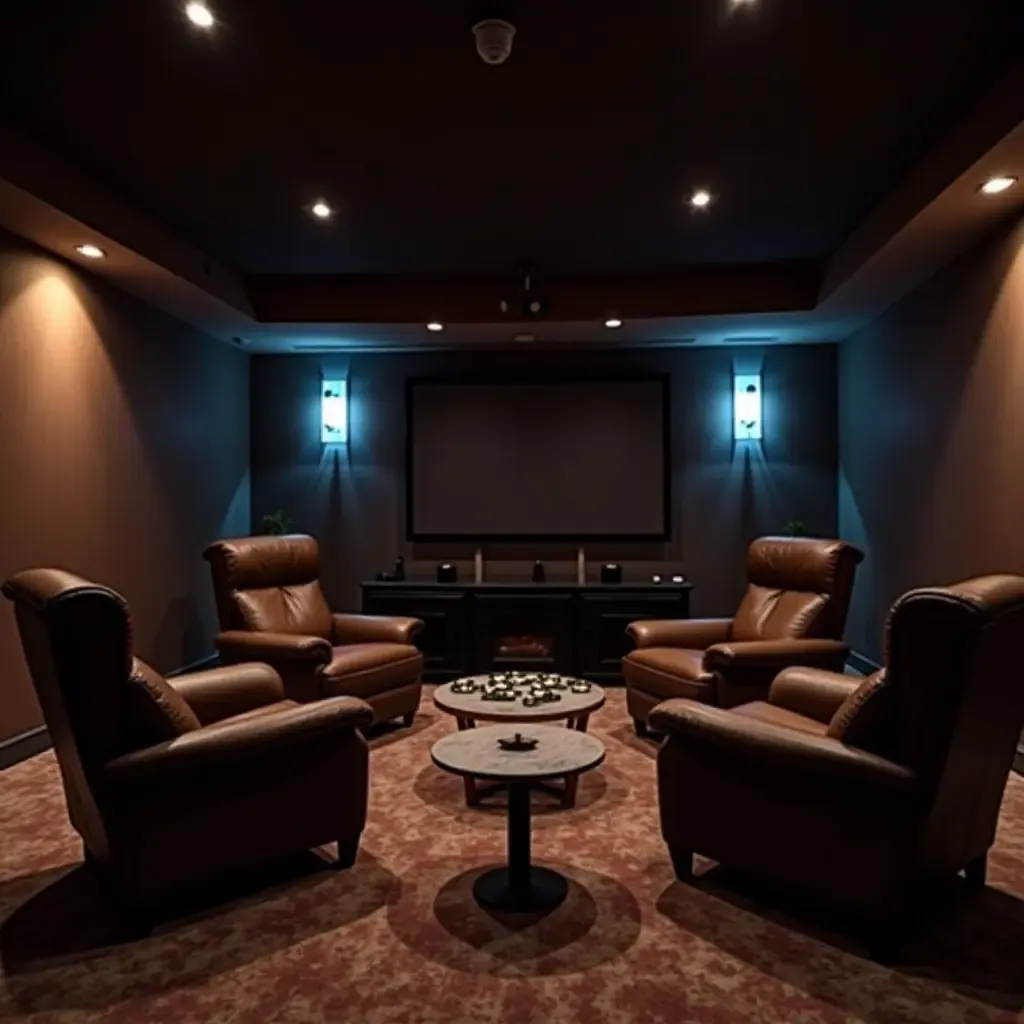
[{"x": 399, "y": 939}]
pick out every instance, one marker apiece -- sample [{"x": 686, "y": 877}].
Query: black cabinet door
[
  {"x": 601, "y": 629},
  {"x": 445, "y": 637}
]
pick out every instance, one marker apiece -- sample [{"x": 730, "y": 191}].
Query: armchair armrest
[
  {"x": 812, "y": 692},
  {"x": 197, "y": 754},
  {"x": 219, "y": 693},
  {"x": 366, "y": 629},
  {"x": 776, "y": 746},
  {"x": 775, "y": 654},
  {"x": 696, "y": 634},
  {"x": 239, "y": 645}
]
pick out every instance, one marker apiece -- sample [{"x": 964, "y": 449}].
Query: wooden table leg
[
  {"x": 468, "y": 782},
  {"x": 572, "y": 781}
]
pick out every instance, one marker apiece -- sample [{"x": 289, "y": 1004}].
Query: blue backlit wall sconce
[
  {"x": 334, "y": 412},
  {"x": 746, "y": 403}
]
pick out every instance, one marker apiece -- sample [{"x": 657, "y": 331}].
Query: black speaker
[
  {"x": 447, "y": 573},
  {"x": 611, "y": 573}
]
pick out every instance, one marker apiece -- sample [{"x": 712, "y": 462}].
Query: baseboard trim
[
  {"x": 862, "y": 664},
  {"x": 27, "y": 744},
  {"x": 23, "y": 746}
]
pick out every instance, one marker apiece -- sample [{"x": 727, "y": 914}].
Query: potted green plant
[
  {"x": 277, "y": 523},
  {"x": 796, "y": 528}
]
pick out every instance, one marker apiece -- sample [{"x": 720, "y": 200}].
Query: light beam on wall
[
  {"x": 747, "y": 422},
  {"x": 334, "y": 412}
]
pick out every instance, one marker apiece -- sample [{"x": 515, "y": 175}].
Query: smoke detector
[{"x": 494, "y": 40}]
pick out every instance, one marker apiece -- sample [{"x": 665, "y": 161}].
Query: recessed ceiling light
[
  {"x": 200, "y": 15},
  {"x": 613, "y": 322},
  {"x": 998, "y": 184},
  {"x": 90, "y": 251},
  {"x": 322, "y": 210},
  {"x": 701, "y": 199},
  {"x": 434, "y": 325}
]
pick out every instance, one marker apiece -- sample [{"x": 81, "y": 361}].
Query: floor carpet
[{"x": 399, "y": 939}]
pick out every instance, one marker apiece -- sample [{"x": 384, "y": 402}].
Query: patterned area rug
[{"x": 399, "y": 939}]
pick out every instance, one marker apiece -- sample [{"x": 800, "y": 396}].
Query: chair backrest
[
  {"x": 797, "y": 587},
  {"x": 950, "y": 703},
  {"x": 953, "y": 666},
  {"x": 98, "y": 700},
  {"x": 269, "y": 585}
]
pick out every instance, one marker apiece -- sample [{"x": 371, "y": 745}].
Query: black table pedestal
[{"x": 520, "y": 887}]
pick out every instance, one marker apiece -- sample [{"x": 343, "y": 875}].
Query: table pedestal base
[
  {"x": 540, "y": 891},
  {"x": 521, "y": 887}
]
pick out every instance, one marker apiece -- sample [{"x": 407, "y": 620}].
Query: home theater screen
[{"x": 538, "y": 459}]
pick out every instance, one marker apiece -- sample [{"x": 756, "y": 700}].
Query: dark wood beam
[{"x": 701, "y": 291}]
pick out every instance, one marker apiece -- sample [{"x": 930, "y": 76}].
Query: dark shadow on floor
[
  {"x": 65, "y": 947},
  {"x": 385, "y": 733},
  {"x": 437, "y": 916},
  {"x": 971, "y": 944},
  {"x": 626, "y": 735}
]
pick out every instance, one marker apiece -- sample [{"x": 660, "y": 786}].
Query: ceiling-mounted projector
[{"x": 494, "y": 40}]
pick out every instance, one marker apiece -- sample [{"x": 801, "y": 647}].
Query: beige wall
[
  {"x": 932, "y": 433},
  {"x": 124, "y": 450}
]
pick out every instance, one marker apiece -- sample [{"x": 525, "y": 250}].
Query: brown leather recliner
[
  {"x": 272, "y": 609},
  {"x": 173, "y": 783},
  {"x": 865, "y": 794},
  {"x": 794, "y": 613}
]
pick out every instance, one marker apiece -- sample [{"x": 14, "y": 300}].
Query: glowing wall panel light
[
  {"x": 334, "y": 412},
  {"x": 747, "y": 423}
]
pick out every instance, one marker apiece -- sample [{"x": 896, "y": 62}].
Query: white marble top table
[
  {"x": 559, "y": 752},
  {"x": 472, "y": 706}
]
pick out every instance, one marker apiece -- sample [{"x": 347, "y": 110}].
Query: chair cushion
[
  {"x": 667, "y": 672},
  {"x": 364, "y": 670},
  {"x": 247, "y": 716},
  {"x": 764, "y": 712},
  {"x": 866, "y": 718},
  {"x": 154, "y": 712}
]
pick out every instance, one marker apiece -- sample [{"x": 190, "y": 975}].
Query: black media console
[{"x": 557, "y": 627}]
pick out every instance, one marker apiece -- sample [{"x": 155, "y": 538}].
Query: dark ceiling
[{"x": 577, "y": 154}]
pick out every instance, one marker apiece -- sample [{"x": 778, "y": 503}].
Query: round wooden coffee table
[
  {"x": 469, "y": 708},
  {"x": 560, "y": 753}
]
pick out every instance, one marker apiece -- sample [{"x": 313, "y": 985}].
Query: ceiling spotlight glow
[
  {"x": 998, "y": 184},
  {"x": 200, "y": 15},
  {"x": 434, "y": 325},
  {"x": 701, "y": 199},
  {"x": 90, "y": 251},
  {"x": 614, "y": 322},
  {"x": 322, "y": 210}
]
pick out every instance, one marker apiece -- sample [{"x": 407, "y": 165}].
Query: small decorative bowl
[
  {"x": 580, "y": 686},
  {"x": 517, "y": 742},
  {"x": 464, "y": 686}
]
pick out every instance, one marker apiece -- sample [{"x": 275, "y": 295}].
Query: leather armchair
[
  {"x": 867, "y": 795},
  {"x": 793, "y": 613},
  {"x": 173, "y": 783},
  {"x": 272, "y": 609}
]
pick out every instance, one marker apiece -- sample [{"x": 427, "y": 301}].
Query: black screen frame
[{"x": 662, "y": 379}]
